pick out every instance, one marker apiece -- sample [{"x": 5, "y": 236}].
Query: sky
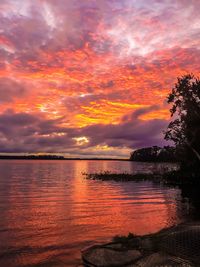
[{"x": 90, "y": 78}]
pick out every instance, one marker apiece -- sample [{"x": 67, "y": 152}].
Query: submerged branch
[{"x": 195, "y": 152}]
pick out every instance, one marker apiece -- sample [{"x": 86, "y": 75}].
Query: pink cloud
[{"x": 86, "y": 66}]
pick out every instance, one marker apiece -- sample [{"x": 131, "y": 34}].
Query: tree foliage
[
  {"x": 184, "y": 130},
  {"x": 154, "y": 154}
]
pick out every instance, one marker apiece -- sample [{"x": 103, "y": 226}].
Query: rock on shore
[{"x": 178, "y": 246}]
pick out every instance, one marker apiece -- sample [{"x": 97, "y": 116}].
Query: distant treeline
[
  {"x": 155, "y": 154},
  {"x": 55, "y": 157},
  {"x": 51, "y": 157}
]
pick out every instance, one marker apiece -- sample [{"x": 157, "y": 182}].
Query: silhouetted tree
[
  {"x": 154, "y": 154},
  {"x": 184, "y": 130}
]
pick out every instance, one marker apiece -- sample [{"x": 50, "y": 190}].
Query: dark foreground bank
[{"x": 176, "y": 246}]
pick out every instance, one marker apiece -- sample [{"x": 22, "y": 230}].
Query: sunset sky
[{"x": 90, "y": 78}]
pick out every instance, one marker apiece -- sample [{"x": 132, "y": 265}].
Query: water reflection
[{"x": 49, "y": 212}]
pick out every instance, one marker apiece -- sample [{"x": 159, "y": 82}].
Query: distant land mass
[
  {"x": 51, "y": 157},
  {"x": 148, "y": 154},
  {"x": 54, "y": 157},
  {"x": 154, "y": 154}
]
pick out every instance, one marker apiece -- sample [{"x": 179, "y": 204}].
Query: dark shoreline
[
  {"x": 55, "y": 158},
  {"x": 173, "y": 178},
  {"x": 108, "y": 159},
  {"x": 52, "y": 157}
]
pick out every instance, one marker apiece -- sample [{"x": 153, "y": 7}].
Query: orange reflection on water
[
  {"x": 50, "y": 211},
  {"x": 109, "y": 205}
]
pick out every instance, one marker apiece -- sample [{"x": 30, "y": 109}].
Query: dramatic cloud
[
  {"x": 91, "y": 77},
  {"x": 22, "y": 132}
]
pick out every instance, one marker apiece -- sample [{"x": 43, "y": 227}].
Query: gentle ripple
[{"x": 49, "y": 211}]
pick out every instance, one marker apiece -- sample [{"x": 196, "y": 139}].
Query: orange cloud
[{"x": 95, "y": 63}]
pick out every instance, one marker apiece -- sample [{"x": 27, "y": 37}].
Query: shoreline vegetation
[
  {"x": 155, "y": 154},
  {"x": 176, "y": 177}
]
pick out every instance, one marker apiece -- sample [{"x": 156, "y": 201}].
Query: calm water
[{"x": 49, "y": 212}]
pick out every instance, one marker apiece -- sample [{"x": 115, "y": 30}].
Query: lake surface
[{"x": 49, "y": 212}]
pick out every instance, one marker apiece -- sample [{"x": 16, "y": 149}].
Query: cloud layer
[{"x": 91, "y": 77}]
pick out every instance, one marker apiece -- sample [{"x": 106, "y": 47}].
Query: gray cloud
[{"x": 21, "y": 132}]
